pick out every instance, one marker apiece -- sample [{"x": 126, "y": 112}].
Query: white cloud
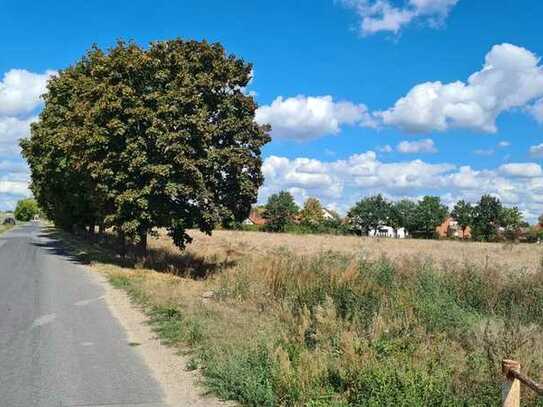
[
  {"x": 387, "y": 148},
  {"x": 20, "y": 96},
  {"x": 521, "y": 169},
  {"x": 14, "y": 188},
  {"x": 340, "y": 183},
  {"x": 21, "y": 90},
  {"x": 537, "y": 110},
  {"x": 484, "y": 151},
  {"x": 503, "y": 144},
  {"x": 536, "y": 151},
  {"x": 383, "y": 15},
  {"x": 511, "y": 77},
  {"x": 12, "y": 129},
  {"x": 303, "y": 118},
  {"x": 419, "y": 146}
]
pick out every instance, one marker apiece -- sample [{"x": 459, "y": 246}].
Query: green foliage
[
  {"x": 486, "y": 218},
  {"x": 349, "y": 332},
  {"x": 279, "y": 211},
  {"x": 137, "y": 139},
  {"x": 244, "y": 374},
  {"x": 403, "y": 215},
  {"x": 369, "y": 213},
  {"x": 511, "y": 221},
  {"x": 429, "y": 214},
  {"x": 26, "y": 209},
  {"x": 311, "y": 214},
  {"x": 463, "y": 213}
]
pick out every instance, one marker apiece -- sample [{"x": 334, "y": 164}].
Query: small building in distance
[
  {"x": 327, "y": 214},
  {"x": 451, "y": 229},
  {"x": 255, "y": 218},
  {"x": 388, "y": 231}
]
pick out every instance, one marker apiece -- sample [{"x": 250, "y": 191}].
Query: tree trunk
[
  {"x": 91, "y": 231},
  {"x": 122, "y": 244},
  {"x": 141, "y": 247}
]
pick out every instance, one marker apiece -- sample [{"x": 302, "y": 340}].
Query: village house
[
  {"x": 388, "y": 231},
  {"x": 328, "y": 214},
  {"x": 254, "y": 218},
  {"x": 451, "y": 229}
]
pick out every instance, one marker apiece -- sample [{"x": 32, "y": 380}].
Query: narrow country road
[{"x": 59, "y": 343}]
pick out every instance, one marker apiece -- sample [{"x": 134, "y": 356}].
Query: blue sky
[{"x": 364, "y": 96}]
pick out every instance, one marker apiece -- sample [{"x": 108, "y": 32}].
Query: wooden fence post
[{"x": 511, "y": 385}]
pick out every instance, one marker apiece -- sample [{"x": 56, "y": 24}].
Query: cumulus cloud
[
  {"x": 511, "y": 77},
  {"x": 12, "y": 129},
  {"x": 340, "y": 183},
  {"x": 484, "y": 151},
  {"x": 20, "y": 96},
  {"x": 537, "y": 110},
  {"x": 536, "y": 151},
  {"x": 14, "y": 188},
  {"x": 419, "y": 146},
  {"x": 521, "y": 169},
  {"x": 383, "y": 16},
  {"x": 302, "y": 118},
  {"x": 387, "y": 148},
  {"x": 21, "y": 91}
]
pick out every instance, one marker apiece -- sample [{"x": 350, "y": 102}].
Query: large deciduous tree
[
  {"x": 511, "y": 221},
  {"x": 280, "y": 211},
  {"x": 486, "y": 218},
  {"x": 403, "y": 215},
  {"x": 312, "y": 212},
  {"x": 463, "y": 214},
  {"x": 138, "y": 139},
  {"x": 429, "y": 214},
  {"x": 369, "y": 213}
]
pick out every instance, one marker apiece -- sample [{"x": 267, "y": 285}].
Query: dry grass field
[
  {"x": 443, "y": 253},
  {"x": 314, "y": 320}
]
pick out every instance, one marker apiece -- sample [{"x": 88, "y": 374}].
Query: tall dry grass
[{"x": 327, "y": 320}]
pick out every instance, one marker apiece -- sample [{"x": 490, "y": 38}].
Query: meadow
[{"x": 314, "y": 320}]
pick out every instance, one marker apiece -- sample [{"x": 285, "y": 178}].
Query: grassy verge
[
  {"x": 336, "y": 329},
  {"x": 5, "y": 228}
]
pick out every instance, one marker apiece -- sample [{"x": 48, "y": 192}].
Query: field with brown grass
[
  {"x": 314, "y": 320},
  {"x": 443, "y": 253}
]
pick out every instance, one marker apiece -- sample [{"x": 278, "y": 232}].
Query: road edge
[{"x": 180, "y": 386}]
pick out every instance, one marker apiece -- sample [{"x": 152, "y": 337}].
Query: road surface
[{"x": 60, "y": 346}]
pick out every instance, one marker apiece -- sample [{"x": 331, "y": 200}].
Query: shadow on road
[{"x": 81, "y": 250}]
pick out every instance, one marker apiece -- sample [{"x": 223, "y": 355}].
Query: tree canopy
[
  {"x": 137, "y": 139},
  {"x": 369, "y": 213},
  {"x": 26, "y": 209},
  {"x": 312, "y": 212},
  {"x": 279, "y": 211},
  {"x": 486, "y": 218},
  {"x": 463, "y": 214},
  {"x": 429, "y": 214},
  {"x": 403, "y": 215}
]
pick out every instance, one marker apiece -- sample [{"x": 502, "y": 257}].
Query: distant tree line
[
  {"x": 136, "y": 139},
  {"x": 488, "y": 219}
]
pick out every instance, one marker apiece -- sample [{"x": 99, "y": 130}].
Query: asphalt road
[{"x": 59, "y": 343}]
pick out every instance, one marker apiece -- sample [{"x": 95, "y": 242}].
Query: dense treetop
[{"x": 136, "y": 139}]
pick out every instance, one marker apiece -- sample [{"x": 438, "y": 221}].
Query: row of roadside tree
[
  {"x": 134, "y": 139},
  {"x": 488, "y": 219}
]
